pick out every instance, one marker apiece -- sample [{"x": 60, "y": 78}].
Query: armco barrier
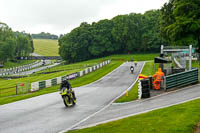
[
  {"x": 182, "y": 79},
  {"x": 51, "y": 82}
]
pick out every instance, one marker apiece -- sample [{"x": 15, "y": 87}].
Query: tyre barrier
[
  {"x": 144, "y": 88},
  {"x": 35, "y": 86}
]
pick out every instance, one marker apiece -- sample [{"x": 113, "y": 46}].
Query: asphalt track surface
[
  {"x": 47, "y": 114},
  {"x": 36, "y": 69}
]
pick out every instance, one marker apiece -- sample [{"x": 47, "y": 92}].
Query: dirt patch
[{"x": 197, "y": 128}]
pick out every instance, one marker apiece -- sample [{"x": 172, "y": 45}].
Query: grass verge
[
  {"x": 89, "y": 78},
  {"x": 180, "y": 118}
]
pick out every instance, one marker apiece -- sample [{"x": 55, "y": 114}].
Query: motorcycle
[
  {"x": 68, "y": 96},
  {"x": 132, "y": 69}
]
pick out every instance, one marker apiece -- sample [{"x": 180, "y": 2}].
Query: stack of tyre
[{"x": 145, "y": 88}]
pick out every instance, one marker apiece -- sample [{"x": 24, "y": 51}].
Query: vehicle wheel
[{"x": 66, "y": 101}]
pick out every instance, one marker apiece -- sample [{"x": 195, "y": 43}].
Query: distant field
[{"x": 46, "y": 47}]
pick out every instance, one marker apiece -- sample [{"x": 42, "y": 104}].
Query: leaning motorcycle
[{"x": 68, "y": 97}]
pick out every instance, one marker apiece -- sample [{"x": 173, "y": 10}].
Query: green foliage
[
  {"x": 44, "y": 35},
  {"x": 131, "y": 33},
  {"x": 181, "y": 23},
  {"x": 13, "y": 44}
]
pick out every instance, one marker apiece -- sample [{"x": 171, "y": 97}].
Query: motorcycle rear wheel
[{"x": 74, "y": 101}]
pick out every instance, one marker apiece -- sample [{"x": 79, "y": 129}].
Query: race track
[{"x": 47, "y": 114}]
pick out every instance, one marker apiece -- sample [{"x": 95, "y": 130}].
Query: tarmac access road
[
  {"x": 47, "y": 113},
  {"x": 118, "y": 111}
]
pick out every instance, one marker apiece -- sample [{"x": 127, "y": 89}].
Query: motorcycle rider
[
  {"x": 65, "y": 83},
  {"x": 132, "y": 69}
]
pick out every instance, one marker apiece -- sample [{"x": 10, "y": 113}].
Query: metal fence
[{"x": 182, "y": 79}]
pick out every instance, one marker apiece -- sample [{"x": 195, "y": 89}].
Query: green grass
[
  {"x": 46, "y": 47},
  {"x": 89, "y": 78},
  {"x": 148, "y": 70},
  {"x": 176, "y": 119},
  {"x": 10, "y": 64}
]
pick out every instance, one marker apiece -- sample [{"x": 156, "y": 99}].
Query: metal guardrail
[
  {"x": 40, "y": 58},
  {"x": 182, "y": 79}
]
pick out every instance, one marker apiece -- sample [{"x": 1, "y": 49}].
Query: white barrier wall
[
  {"x": 34, "y": 86},
  {"x": 59, "y": 80},
  {"x": 81, "y": 73},
  {"x": 90, "y": 68},
  {"x": 94, "y": 68},
  {"x": 86, "y": 71},
  {"x": 48, "y": 83},
  {"x": 101, "y": 65},
  {"x": 97, "y": 66}
]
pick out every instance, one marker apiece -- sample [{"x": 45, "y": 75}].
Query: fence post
[
  {"x": 165, "y": 88},
  {"x": 16, "y": 89}
]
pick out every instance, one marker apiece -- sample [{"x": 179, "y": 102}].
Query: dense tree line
[
  {"x": 13, "y": 44},
  {"x": 123, "y": 34},
  {"x": 176, "y": 23},
  {"x": 44, "y": 35},
  {"x": 180, "y": 23}
]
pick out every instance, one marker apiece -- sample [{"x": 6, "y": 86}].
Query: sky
[{"x": 61, "y": 16}]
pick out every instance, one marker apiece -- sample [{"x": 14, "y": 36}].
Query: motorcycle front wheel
[{"x": 66, "y": 100}]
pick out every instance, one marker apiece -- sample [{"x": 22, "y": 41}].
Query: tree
[
  {"x": 13, "y": 44},
  {"x": 151, "y": 39},
  {"x": 122, "y": 34},
  {"x": 44, "y": 35},
  {"x": 184, "y": 28}
]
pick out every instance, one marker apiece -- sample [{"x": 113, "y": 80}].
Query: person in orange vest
[{"x": 158, "y": 79}]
